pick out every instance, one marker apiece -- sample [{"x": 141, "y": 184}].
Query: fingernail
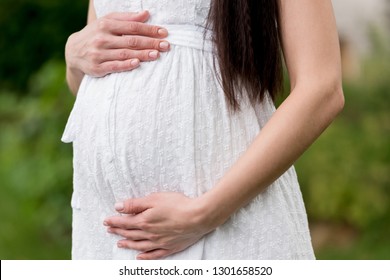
[
  {"x": 120, "y": 245},
  {"x": 162, "y": 32},
  {"x": 153, "y": 54},
  {"x": 105, "y": 223},
  {"x": 134, "y": 62},
  {"x": 109, "y": 230},
  {"x": 119, "y": 206},
  {"x": 164, "y": 45}
]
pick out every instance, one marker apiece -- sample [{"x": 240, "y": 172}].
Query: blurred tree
[{"x": 32, "y": 31}]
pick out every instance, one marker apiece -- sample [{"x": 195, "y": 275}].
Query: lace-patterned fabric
[{"x": 165, "y": 127}]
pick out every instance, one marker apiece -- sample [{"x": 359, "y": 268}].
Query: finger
[
  {"x": 134, "y": 28},
  {"x": 124, "y": 222},
  {"x": 126, "y": 54},
  {"x": 154, "y": 255},
  {"x": 136, "y": 42},
  {"x": 133, "y": 205},
  {"x": 109, "y": 67},
  {"x": 135, "y": 235},
  {"x": 142, "y": 246},
  {"x": 141, "y": 16}
]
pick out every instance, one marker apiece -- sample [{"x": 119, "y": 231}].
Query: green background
[{"x": 345, "y": 175}]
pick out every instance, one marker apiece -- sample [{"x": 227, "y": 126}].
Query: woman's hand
[
  {"x": 160, "y": 224},
  {"x": 114, "y": 43}
]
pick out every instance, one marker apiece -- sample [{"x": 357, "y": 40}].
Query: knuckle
[
  {"x": 127, "y": 244},
  {"x": 164, "y": 244},
  {"x": 144, "y": 225},
  {"x": 104, "y": 24},
  {"x": 116, "y": 223},
  {"x": 99, "y": 40},
  {"x": 123, "y": 55},
  {"x": 129, "y": 206},
  {"x": 122, "y": 224},
  {"x": 94, "y": 71},
  {"x": 100, "y": 73},
  {"x": 154, "y": 237},
  {"x": 100, "y": 70},
  {"x": 124, "y": 66},
  {"x": 135, "y": 245},
  {"x": 134, "y": 27},
  {"x": 142, "y": 247},
  {"x": 144, "y": 55},
  {"x": 114, "y": 67},
  {"x": 156, "y": 44},
  {"x": 132, "y": 42},
  {"x": 94, "y": 56}
]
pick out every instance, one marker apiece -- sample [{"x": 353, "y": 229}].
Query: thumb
[{"x": 132, "y": 205}]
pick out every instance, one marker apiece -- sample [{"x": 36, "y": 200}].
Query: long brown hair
[{"x": 246, "y": 38}]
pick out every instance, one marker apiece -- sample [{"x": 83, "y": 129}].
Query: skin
[
  {"x": 114, "y": 43},
  {"x": 162, "y": 224}
]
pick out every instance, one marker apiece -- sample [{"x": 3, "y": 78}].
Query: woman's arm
[
  {"x": 170, "y": 222},
  {"x": 114, "y": 43},
  {"x": 312, "y": 55},
  {"x": 74, "y": 75}
]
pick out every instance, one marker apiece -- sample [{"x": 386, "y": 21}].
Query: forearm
[
  {"x": 290, "y": 131},
  {"x": 312, "y": 55}
]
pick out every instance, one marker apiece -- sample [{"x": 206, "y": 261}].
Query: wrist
[
  {"x": 209, "y": 213},
  {"x": 73, "y": 73},
  {"x": 72, "y": 66},
  {"x": 73, "y": 78}
]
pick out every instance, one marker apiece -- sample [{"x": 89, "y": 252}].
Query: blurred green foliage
[
  {"x": 33, "y": 31},
  {"x": 35, "y": 169},
  {"x": 35, "y": 179},
  {"x": 345, "y": 175}
]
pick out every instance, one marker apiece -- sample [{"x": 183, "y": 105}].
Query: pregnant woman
[{"x": 179, "y": 152}]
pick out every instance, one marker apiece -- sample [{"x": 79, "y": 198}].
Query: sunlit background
[{"x": 345, "y": 175}]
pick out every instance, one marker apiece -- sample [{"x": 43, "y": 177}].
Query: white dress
[{"x": 165, "y": 127}]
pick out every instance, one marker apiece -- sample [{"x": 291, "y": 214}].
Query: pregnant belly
[
  {"x": 162, "y": 127},
  {"x": 152, "y": 129}
]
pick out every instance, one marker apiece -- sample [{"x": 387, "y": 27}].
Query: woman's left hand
[{"x": 159, "y": 224}]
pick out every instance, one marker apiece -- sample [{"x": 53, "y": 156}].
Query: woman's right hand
[{"x": 114, "y": 43}]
